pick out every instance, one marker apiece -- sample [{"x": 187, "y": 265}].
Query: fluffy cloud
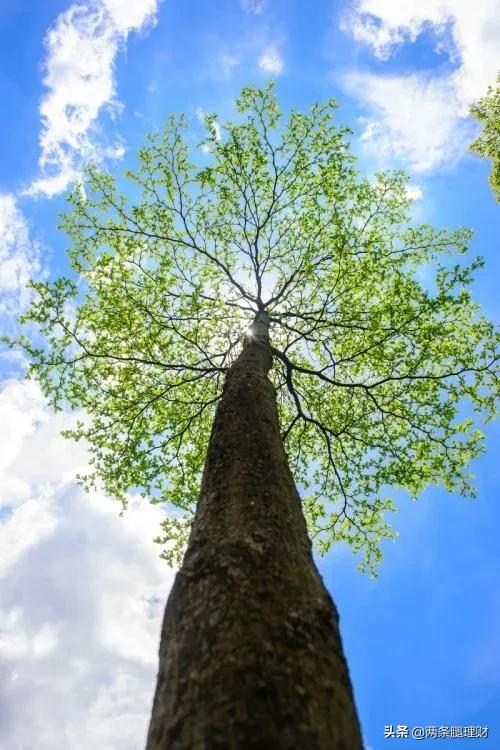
[
  {"x": 271, "y": 61},
  {"x": 81, "y": 48},
  {"x": 19, "y": 258},
  {"x": 83, "y": 592},
  {"x": 132, "y": 15},
  {"x": 414, "y": 192},
  {"x": 422, "y": 118},
  {"x": 414, "y": 118}
]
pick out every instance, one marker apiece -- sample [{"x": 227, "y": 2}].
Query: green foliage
[
  {"x": 378, "y": 348},
  {"x": 487, "y": 144}
]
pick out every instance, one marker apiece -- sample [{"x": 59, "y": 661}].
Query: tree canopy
[
  {"x": 382, "y": 362},
  {"x": 487, "y": 144}
]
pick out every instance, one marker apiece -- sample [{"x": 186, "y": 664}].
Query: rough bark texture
[{"x": 250, "y": 652}]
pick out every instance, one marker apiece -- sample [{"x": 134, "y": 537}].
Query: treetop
[{"x": 383, "y": 364}]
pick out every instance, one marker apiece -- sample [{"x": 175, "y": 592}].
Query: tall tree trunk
[{"x": 250, "y": 652}]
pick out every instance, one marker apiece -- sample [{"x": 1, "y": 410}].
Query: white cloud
[
  {"x": 19, "y": 258},
  {"x": 79, "y": 75},
  {"x": 83, "y": 592},
  {"x": 254, "y": 7},
  {"x": 28, "y": 525},
  {"x": 15, "y": 644},
  {"x": 21, "y": 410},
  {"x": 271, "y": 61},
  {"x": 421, "y": 117},
  {"x": 388, "y": 24},
  {"x": 414, "y": 118},
  {"x": 414, "y": 192},
  {"x": 131, "y": 15}
]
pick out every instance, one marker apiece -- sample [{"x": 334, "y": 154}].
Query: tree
[
  {"x": 247, "y": 310},
  {"x": 487, "y": 144}
]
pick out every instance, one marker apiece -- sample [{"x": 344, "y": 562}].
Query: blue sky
[{"x": 82, "y": 589}]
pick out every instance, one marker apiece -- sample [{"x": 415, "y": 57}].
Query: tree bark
[{"x": 250, "y": 653}]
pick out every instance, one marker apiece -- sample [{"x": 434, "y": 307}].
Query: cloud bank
[{"x": 83, "y": 592}]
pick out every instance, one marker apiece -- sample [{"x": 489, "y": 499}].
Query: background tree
[
  {"x": 487, "y": 144},
  {"x": 265, "y": 283}
]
